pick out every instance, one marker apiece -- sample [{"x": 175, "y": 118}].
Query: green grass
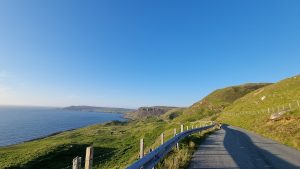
[
  {"x": 211, "y": 105},
  {"x": 253, "y": 112},
  {"x": 179, "y": 159},
  {"x": 111, "y": 142},
  {"x": 116, "y": 145}
]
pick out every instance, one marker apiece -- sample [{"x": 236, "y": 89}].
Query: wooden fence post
[
  {"x": 77, "y": 163},
  {"x": 89, "y": 157},
  {"x": 192, "y": 126},
  {"x": 181, "y": 127},
  {"x": 162, "y": 138},
  {"x": 187, "y": 127},
  {"x": 141, "y": 148}
]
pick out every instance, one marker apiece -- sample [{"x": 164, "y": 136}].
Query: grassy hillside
[
  {"x": 111, "y": 143},
  {"x": 219, "y": 99},
  {"x": 116, "y": 145},
  {"x": 253, "y": 111},
  {"x": 172, "y": 114}
]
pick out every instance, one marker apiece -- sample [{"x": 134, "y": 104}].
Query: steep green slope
[
  {"x": 254, "y": 111},
  {"x": 219, "y": 99},
  {"x": 172, "y": 114}
]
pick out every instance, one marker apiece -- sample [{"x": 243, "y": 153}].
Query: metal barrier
[{"x": 150, "y": 160}]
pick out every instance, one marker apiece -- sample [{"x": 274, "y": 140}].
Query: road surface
[{"x": 233, "y": 147}]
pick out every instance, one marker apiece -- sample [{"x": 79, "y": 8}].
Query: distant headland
[{"x": 98, "y": 109}]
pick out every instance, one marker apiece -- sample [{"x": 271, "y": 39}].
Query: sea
[{"x": 20, "y": 124}]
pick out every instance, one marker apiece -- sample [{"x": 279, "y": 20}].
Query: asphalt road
[{"x": 233, "y": 147}]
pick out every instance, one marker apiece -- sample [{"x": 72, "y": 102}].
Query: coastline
[
  {"x": 49, "y": 135},
  {"x": 63, "y": 131},
  {"x": 59, "y": 132}
]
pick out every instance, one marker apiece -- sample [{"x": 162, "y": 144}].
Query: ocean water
[{"x": 19, "y": 124}]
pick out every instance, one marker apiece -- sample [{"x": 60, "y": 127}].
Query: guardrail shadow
[{"x": 248, "y": 155}]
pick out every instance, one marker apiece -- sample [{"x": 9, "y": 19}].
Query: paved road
[{"x": 233, "y": 147}]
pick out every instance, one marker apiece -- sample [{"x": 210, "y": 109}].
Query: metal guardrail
[{"x": 150, "y": 160}]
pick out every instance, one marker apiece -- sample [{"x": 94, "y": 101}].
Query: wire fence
[
  {"x": 95, "y": 158},
  {"x": 285, "y": 107}
]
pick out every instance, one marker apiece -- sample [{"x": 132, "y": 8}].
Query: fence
[
  {"x": 145, "y": 161},
  {"x": 290, "y": 106},
  {"x": 77, "y": 161}
]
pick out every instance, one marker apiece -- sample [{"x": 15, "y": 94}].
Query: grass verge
[{"x": 179, "y": 159}]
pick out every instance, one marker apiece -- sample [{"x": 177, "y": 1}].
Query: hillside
[
  {"x": 98, "y": 109},
  {"x": 272, "y": 111},
  {"x": 220, "y": 99},
  {"x": 173, "y": 114},
  {"x": 144, "y": 112},
  {"x": 116, "y": 144}
]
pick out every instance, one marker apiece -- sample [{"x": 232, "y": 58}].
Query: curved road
[{"x": 233, "y": 147}]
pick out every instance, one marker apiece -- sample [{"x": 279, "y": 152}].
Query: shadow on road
[{"x": 246, "y": 154}]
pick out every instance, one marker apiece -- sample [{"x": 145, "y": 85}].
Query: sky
[{"x": 142, "y": 53}]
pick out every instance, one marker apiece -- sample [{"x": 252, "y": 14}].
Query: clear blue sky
[{"x": 142, "y": 53}]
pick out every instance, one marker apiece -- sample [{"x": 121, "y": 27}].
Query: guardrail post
[
  {"x": 200, "y": 130},
  {"x": 177, "y": 145},
  {"x": 76, "y": 163},
  {"x": 89, "y": 157},
  {"x": 158, "y": 154},
  {"x": 150, "y": 152},
  {"x": 141, "y": 148},
  {"x": 181, "y": 127},
  {"x": 162, "y": 138}
]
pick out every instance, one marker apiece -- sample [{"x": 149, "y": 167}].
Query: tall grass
[{"x": 179, "y": 159}]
